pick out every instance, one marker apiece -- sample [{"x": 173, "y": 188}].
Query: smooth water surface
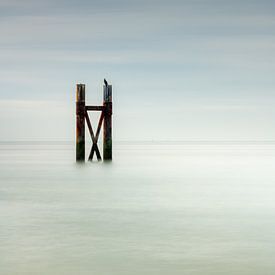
[{"x": 156, "y": 209}]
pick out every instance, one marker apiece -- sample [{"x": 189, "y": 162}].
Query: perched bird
[{"x": 105, "y": 82}]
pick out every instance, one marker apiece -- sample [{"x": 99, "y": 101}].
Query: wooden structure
[{"x": 82, "y": 115}]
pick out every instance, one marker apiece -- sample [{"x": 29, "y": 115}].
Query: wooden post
[
  {"x": 80, "y": 122},
  {"x": 107, "y": 126}
]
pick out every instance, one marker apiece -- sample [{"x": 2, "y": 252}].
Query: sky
[{"x": 180, "y": 70}]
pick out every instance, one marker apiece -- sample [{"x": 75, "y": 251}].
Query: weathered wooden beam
[
  {"x": 107, "y": 126},
  {"x": 94, "y": 108},
  {"x": 99, "y": 125},
  {"x": 94, "y": 137},
  {"x": 89, "y": 126},
  {"x": 94, "y": 150},
  {"x": 80, "y": 122}
]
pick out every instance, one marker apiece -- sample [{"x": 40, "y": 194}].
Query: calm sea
[{"x": 182, "y": 208}]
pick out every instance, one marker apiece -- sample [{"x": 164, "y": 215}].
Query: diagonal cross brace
[{"x": 94, "y": 137}]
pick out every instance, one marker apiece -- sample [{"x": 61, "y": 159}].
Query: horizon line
[{"x": 147, "y": 141}]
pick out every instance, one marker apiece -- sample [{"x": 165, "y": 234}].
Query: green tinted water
[{"x": 156, "y": 209}]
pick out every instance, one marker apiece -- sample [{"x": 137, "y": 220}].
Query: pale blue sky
[{"x": 180, "y": 70}]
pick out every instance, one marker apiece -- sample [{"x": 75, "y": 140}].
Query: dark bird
[{"x": 105, "y": 82}]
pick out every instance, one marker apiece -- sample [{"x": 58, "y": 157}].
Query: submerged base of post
[{"x": 107, "y": 150}]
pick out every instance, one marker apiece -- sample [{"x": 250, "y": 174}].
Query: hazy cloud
[{"x": 154, "y": 52}]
